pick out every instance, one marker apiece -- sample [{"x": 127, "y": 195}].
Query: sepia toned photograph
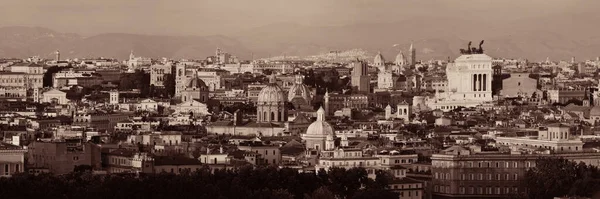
[{"x": 300, "y": 99}]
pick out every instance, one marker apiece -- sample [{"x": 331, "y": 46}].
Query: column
[
  {"x": 485, "y": 82},
  {"x": 480, "y": 82},
  {"x": 473, "y": 82}
]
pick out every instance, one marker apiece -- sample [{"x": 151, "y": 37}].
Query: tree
[
  {"x": 321, "y": 193},
  {"x": 169, "y": 84},
  {"x": 553, "y": 177}
]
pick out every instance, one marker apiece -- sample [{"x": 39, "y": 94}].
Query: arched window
[
  {"x": 272, "y": 116},
  {"x": 265, "y": 115}
]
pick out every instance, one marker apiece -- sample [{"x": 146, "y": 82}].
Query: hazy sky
[{"x": 205, "y": 17}]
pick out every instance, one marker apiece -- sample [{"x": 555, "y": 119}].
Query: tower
[
  {"x": 329, "y": 143},
  {"x": 57, "y": 53},
  {"x": 179, "y": 79},
  {"x": 131, "y": 56},
  {"x": 403, "y": 111},
  {"x": 573, "y": 59},
  {"x": 388, "y": 112},
  {"x": 344, "y": 141},
  {"x": 36, "y": 95},
  {"x": 326, "y": 103},
  {"x": 114, "y": 97},
  {"x": 413, "y": 55},
  {"x": 360, "y": 80}
]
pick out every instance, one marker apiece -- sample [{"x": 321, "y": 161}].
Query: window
[
  {"x": 516, "y": 176},
  {"x": 447, "y": 176},
  {"x": 506, "y": 177},
  {"x": 461, "y": 190},
  {"x": 6, "y": 169}
]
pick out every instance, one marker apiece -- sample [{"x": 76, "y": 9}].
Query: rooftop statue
[{"x": 473, "y": 50}]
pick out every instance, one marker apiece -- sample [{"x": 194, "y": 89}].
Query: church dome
[
  {"x": 320, "y": 126},
  {"x": 299, "y": 90},
  {"x": 400, "y": 59},
  {"x": 196, "y": 82},
  {"x": 272, "y": 93},
  {"x": 379, "y": 60}
]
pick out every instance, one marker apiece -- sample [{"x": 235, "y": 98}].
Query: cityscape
[{"x": 126, "y": 115}]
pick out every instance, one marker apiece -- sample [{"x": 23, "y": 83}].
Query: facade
[
  {"x": 157, "y": 74},
  {"x": 519, "y": 85},
  {"x": 334, "y": 102},
  {"x": 466, "y": 173},
  {"x": 54, "y": 96},
  {"x": 556, "y": 137},
  {"x": 270, "y": 154},
  {"x": 387, "y": 80},
  {"x": 62, "y": 157}
]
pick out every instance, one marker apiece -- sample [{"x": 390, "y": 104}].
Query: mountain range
[{"x": 556, "y": 37}]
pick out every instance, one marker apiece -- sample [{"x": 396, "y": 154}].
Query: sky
[{"x": 209, "y": 17}]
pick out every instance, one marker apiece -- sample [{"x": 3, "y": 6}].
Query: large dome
[
  {"x": 320, "y": 126},
  {"x": 272, "y": 93},
  {"x": 196, "y": 82}
]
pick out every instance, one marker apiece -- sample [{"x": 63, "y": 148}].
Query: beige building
[
  {"x": 556, "y": 137},
  {"x": 62, "y": 157},
  {"x": 158, "y": 72},
  {"x": 460, "y": 172},
  {"x": 519, "y": 85},
  {"x": 54, "y": 96},
  {"x": 12, "y": 159}
]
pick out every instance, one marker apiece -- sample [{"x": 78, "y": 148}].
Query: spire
[
  {"x": 411, "y": 47},
  {"x": 321, "y": 114},
  {"x": 131, "y": 56}
]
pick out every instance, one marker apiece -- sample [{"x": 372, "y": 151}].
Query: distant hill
[
  {"x": 559, "y": 37},
  {"x": 21, "y": 42}
]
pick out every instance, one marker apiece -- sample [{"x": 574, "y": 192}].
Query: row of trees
[
  {"x": 560, "y": 177},
  {"x": 246, "y": 182}
]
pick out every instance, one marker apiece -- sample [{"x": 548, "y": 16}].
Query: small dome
[
  {"x": 320, "y": 126},
  {"x": 379, "y": 60},
  {"x": 299, "y": 90},
  {"x": 196, "y": 82},
  {"x": 400, "y": 59},
  {"x": 272, "y": 93}
]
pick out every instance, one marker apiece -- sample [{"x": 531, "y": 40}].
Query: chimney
[{"x": 207, "y": 150}]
